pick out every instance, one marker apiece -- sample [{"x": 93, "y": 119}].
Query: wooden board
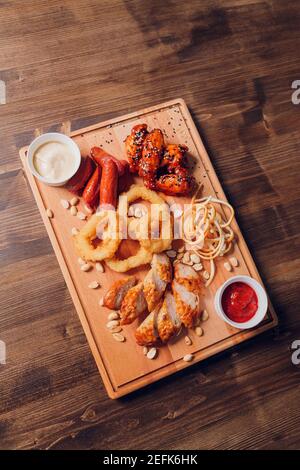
[{"x": 123, "y": 366}]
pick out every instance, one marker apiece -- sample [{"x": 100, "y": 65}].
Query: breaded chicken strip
[
  {"x": 156, "y": 280},
  {"x": 187, "y": 289},
  {"x": 134, "y": 304},
  {"x": 115, "y": 295}
]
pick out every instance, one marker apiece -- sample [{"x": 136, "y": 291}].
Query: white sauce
[{"x": 54, "y": 161}]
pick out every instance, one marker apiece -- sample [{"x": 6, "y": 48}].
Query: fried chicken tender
[
  {"x": 134, "y": 304},
  {"x": 157, "y": 278},
  {"x": 146, "y": 334},
  {"x": 187, "y": 288},
  {"x": 115, "y": 295}
]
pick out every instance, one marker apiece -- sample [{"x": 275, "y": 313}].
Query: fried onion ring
[
  {"x": 148, "y": 245},
  {"x": 143, "y": 256},
  {"x": 84, "y": 239}
]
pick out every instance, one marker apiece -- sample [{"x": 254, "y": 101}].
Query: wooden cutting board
[{"x": 122, "y": 366}]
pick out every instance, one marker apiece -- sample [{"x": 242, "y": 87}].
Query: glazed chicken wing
[
  {"x": 174, "y": 156},
  {"x": 134, "y": 146},
  {"x": 163, "y": 168},
  {"x": 176, "y": 184},
  {"x": 151, "y": 157}
]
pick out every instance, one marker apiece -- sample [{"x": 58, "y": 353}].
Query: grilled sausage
[
  {"x": 77, "y": 182},
  {"x": 91, "y": 191},
  {"x": 98, "y": 155}
]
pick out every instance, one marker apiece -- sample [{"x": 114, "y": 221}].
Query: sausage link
[
  {"x": 99, "y": 156},
  {"x": 77, "y": 182},
  {"x": 125, "y": 179},
  {"x": 109, "y": 184},
  {"x": 91, "y": 192}
]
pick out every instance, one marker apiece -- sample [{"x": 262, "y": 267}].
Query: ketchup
[{"x": 239, "y": 302}]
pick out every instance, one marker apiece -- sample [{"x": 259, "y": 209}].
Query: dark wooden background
[{"x": 233, "y": 61}]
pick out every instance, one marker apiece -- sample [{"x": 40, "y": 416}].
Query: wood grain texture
[{"x": 233, "y": 61}]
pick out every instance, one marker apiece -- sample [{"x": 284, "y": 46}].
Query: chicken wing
[
  {"x": 157, "y": 279},
  {"x": 115, "y": 295},
  {"x": 134, "y": 304},
  {"x": 134, "y": 146},
  {"x": 174, "y": 156},
  {"x": 151, "y": 156},
  {"x": 187, "y": 288},
  {"x": 176, "y": 184}
]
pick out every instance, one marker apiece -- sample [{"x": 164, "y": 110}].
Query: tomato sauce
[{"x": 239, "y": 302}]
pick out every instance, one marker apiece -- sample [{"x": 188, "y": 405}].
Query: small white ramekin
[
  {"x": 53, "y": 137},
  {"x": 261, "y": 298}
]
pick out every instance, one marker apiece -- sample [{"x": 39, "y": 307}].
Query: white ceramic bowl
[
  {"x": 53, "y": 137},
  {"x": 261, "y": 298}
]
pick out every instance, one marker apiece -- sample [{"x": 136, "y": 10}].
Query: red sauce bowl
[{"x": 241, "y": 302}]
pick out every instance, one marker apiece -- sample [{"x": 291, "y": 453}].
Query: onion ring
[
  {"x": 106, "y": 247},
  {"x": 148, "y": 246}
]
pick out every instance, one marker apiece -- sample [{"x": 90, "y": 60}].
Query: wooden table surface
[{"x": 84, "y": 61}]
